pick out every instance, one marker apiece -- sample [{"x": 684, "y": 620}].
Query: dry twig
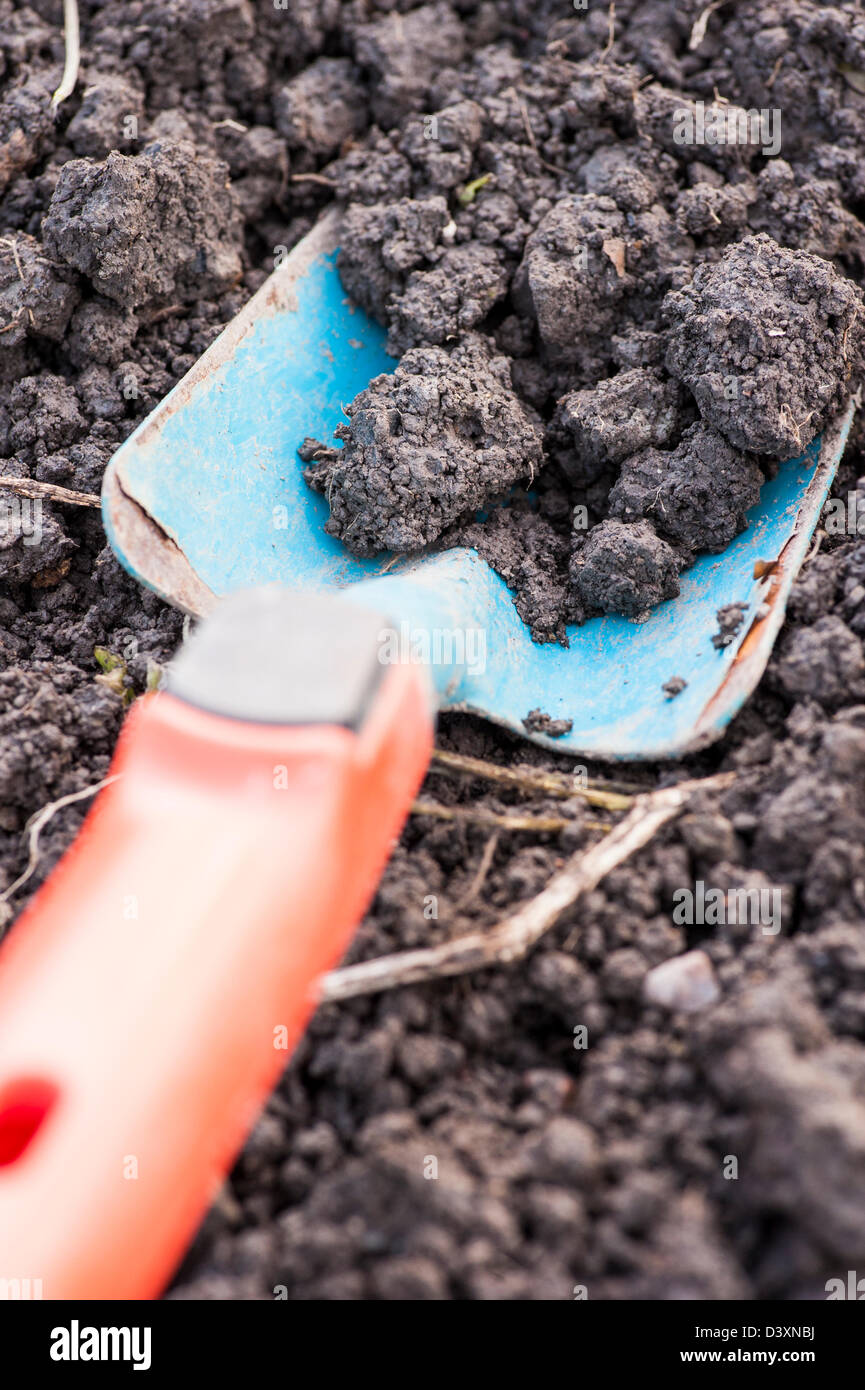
[
  {"x": 530, "y": 135},
  {"x": 12, "y": 243},
  {"x": 538, "y": 824},
  {"x": 483, "y": 869},
  {"x": 517, "y": 934},
  {"x": 611, "y": 32},
  {"x": 313, "y": 178},
  {"x": 51, "y": 492},
  {"x": 615, "y": 796},
  {"x": 772, "y": 78}
]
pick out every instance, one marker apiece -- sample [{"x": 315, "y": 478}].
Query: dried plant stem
[
  {"x": 483, "y": 869},
  {"x": 51, "y": 492},
  {"x": 698, "y": 33},
  {"x": 611, "y": 32},
  {"x": 517, "y": 934},
  {"x": 555, "y": 784},
  {"x": 530, "y": 136},
  {"x": 313, "y": 178},
  {"x": 539, "y": 824},
  {"x": 773, "y": 76},
  {"x": 72, "y": 35},
  {"x": 37, "y": 824}
]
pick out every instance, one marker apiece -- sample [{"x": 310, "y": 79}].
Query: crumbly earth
[
  {"x": 696, "y": 494},
  {"x": 594, "y": 430},
  {"x": 440, "y": 436},
  {"x": 537, "y": 721},
  {"x": 730, "y": 619},
  {"x": 636, "y": 283},
  {"x": 532, "y": 556},
  {"x": 557, "y": 1164},
  {"x": 146, "y": 228},
  {"x": 623, "y": 567},
  {"x": 769, "y": 341}
]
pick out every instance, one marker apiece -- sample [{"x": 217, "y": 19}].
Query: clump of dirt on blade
[
  {"x": 424, "y": 447},
  {"x": 623, "y": 278},
  {"x": 769, "y": 341},
  {"x": 531, "y": 555},
  {"x": 730, "y": 619},
  {"x": 537, "y": 721},
  {"x": 595, "y": 429},
  {"x": 622, "y": 567},
  {"x": 696, "y": 495}
]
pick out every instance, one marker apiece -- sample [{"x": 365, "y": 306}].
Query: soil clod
[
  {"x": 730, "y": 619},
  {"x": 537, "y": 721}
]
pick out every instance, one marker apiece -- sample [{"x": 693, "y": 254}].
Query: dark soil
[
  {"x": 458, "y": 1140},
  {"x": 696, "y": 495},
  {"x": 618, "y": 257},
  {"x": 730, "y": 619},
  {"x": 623, "y": 568},
  {"x": 387, "y": 487}
]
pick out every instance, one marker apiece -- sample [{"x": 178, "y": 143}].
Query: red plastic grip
[{"x": 151, "y": 995}]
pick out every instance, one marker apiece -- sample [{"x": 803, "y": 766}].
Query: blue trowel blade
[{"x": 207, "y": 496}]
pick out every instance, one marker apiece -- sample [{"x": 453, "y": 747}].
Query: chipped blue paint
[{"x": 220, "y": 475}]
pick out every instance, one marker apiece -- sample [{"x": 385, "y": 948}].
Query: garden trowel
[{"x": 150, "y": 996}]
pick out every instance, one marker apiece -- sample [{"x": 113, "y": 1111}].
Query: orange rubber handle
[{"x": 150, "y": 996}]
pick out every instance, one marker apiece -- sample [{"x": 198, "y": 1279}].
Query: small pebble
[
  {"x": 673, "y": 687},
  {"x": 684, "y": 984}
]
